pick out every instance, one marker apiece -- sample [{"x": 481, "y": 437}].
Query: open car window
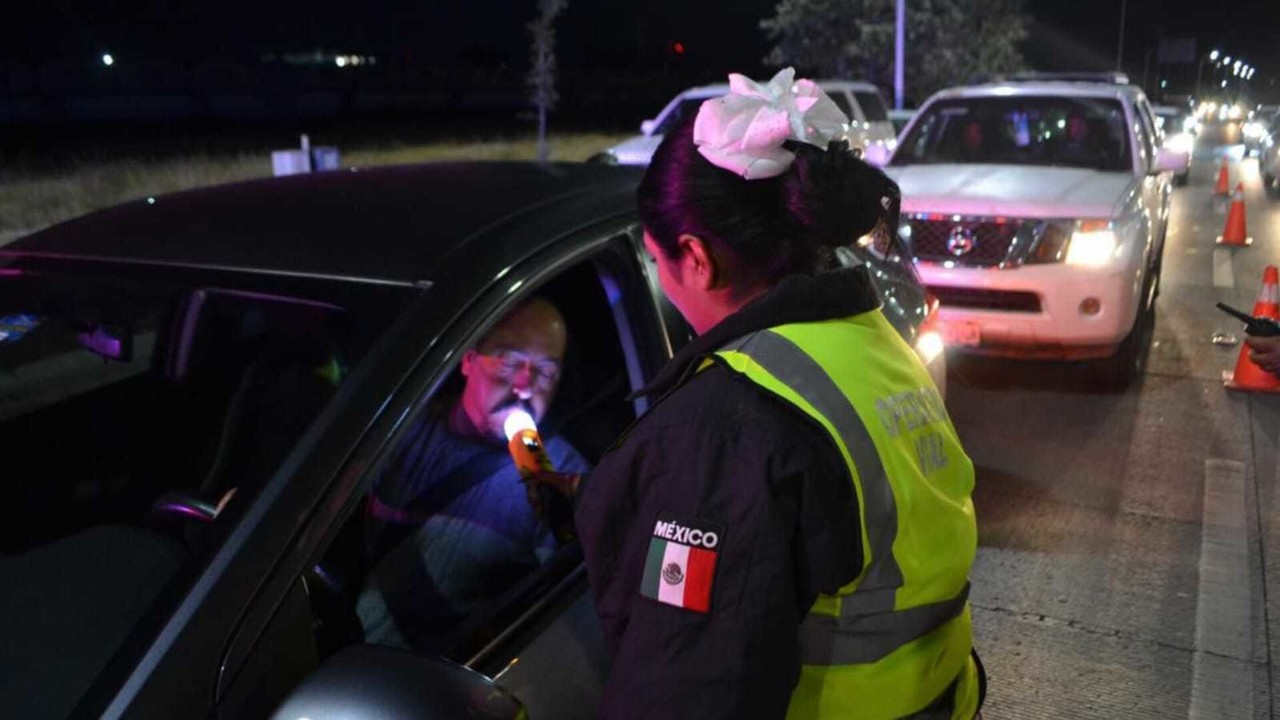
[
  {"x": 445, "y": 554},
  {"x": 147, "y": 413}
]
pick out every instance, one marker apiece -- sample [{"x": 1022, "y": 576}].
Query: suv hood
[
  {"x": 1012, "y": 190},
  {"x": 636, "y": 150}
]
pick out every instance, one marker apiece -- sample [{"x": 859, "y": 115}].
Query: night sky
[{"x": 604, "y": 33}]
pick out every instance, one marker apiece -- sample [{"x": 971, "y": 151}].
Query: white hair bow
[{"x": 743, "y": 131}]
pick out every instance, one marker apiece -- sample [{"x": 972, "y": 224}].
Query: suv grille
[{"x": 964, "y": 242}]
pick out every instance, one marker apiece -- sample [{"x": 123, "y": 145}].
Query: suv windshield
[
  {"x": 150, "y": 412},
  {"x": 1021, "y": 130}
]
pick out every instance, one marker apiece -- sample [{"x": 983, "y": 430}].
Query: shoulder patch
[{"x": 681, "y": 565}]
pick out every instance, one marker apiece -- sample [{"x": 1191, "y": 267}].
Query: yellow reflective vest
[{"x": 895, "y": 642}]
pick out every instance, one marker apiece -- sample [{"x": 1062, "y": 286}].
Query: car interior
[
  {"x": 138, "y": 407},
  {"x": 590, "y": 410}
]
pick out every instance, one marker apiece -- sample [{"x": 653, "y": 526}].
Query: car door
[
  {"x": 547, "y": 619},
  {"x": 1156, "y": 187}
]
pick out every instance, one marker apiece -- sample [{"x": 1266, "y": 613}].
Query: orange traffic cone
[
  {"x": 1247, "y": 375},
  {"x": 1224, "y": 179},
  {"x": 1235, "y": 233}
]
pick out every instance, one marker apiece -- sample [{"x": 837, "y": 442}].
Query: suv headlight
[
  {"x": 1093, "y": 243},
  {"x": 1089, "y": 243}
]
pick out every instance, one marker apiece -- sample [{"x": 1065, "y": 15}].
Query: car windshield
[
  {"x": 681, "y": 110},
  {"x": 1068, "y": 131},
  {"x": 150, "y": 412},
  {"x": 872, "y": 105}
]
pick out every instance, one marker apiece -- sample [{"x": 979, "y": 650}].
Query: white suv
[
  {"x": 869, "y": 119},
  {"x": 1036, "y": 209}
]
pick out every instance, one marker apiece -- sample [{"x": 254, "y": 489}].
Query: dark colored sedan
[{"x": 197, "y": 391}]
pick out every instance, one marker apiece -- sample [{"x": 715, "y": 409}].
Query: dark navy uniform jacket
[{"x": 722, "y": 454}]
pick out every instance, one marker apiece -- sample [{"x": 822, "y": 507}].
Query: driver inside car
[{"x": 450, "y": 524}]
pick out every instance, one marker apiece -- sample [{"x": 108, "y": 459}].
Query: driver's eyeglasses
[{"x": 506, "y": 363}]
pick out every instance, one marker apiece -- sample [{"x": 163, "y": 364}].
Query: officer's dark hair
[{"x": 767, "y": 228}]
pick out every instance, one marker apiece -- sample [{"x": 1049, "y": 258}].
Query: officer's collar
[{"x": 796, "y": 298}]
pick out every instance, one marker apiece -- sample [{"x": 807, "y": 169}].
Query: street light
[
  {"x": 1213, "y": 58},
  {"x": 108, "y": 60},
  {"x": 1124, "y": 6},
  {"x": 899, "y": 53}
]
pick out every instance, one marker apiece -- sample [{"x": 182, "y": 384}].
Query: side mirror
[
  {"x": 876, "y": 155},
  {"x": 647, "y": 126},
  {"x": 1168, "y": 160},
  {"x": 370, "y": 682}
]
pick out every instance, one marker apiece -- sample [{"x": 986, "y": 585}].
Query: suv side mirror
[
  {"x": 370, "y": 682},
  {"x": 647, "y": 126},
  {"x": 1169, "y": 160}
]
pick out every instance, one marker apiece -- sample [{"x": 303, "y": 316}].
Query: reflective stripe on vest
[{"x": 868, "y": 627}]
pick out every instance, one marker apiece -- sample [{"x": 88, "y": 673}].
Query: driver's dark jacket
[{"x": 718, "y": 449}]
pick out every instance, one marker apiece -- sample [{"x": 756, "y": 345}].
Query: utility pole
[
  {"x": 1124, "y": 5},
  {"x": 899, "y": 54}
]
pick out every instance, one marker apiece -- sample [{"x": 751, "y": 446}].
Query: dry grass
[{"x": 28, "y": 203}]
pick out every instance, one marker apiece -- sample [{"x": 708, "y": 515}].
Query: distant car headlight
[
  {"x": 1182, "y": 142},
  {"x": 1093, "y": 244},
  {"x": 1254, "y": 130}
]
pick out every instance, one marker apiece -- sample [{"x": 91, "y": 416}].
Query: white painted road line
[
  {"x": 1222, "y": 671},
  {"x": 1224, "y": 274}
]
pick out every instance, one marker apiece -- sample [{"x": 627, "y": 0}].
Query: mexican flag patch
[{"x": 681, "y": 565}]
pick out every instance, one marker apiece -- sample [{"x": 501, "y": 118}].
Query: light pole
[
  {"x": 1213, "y": 58},
  {"x": 1124, "y": 5},
  {"x": 899, "y": 54}
]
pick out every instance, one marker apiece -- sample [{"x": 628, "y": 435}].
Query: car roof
[
  {"x": 1058, "y": 88},
  {"x": 391, "y": 224}
]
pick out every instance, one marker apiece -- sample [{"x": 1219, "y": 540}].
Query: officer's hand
[
  {"x": 565, "y": 484},
  {"x": 1265, "y": 352}
]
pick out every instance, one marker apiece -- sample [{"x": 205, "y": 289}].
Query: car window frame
[{"x": 435, "y": 362}]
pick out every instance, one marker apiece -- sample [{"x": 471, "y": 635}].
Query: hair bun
[{"x": 835, "y": 196}]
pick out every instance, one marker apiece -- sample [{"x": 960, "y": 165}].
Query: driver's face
[{"x": 517, "y": 365}]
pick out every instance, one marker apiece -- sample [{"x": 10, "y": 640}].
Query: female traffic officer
[{"x": 789, "y": 530}]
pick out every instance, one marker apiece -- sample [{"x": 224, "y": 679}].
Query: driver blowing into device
[{"x": 450, "y": 523}]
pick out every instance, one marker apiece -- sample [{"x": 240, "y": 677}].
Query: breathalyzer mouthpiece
[{"x": 517, "y": 421}]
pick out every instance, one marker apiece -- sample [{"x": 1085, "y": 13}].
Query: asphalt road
[{"x": 1129, "y": 548}]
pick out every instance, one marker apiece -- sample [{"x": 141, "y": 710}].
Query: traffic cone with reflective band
[
  {"x": 1247, "y": 375},
  {"x": 1224, "y": 179},
  {"x": 1235, "y": 232}
]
